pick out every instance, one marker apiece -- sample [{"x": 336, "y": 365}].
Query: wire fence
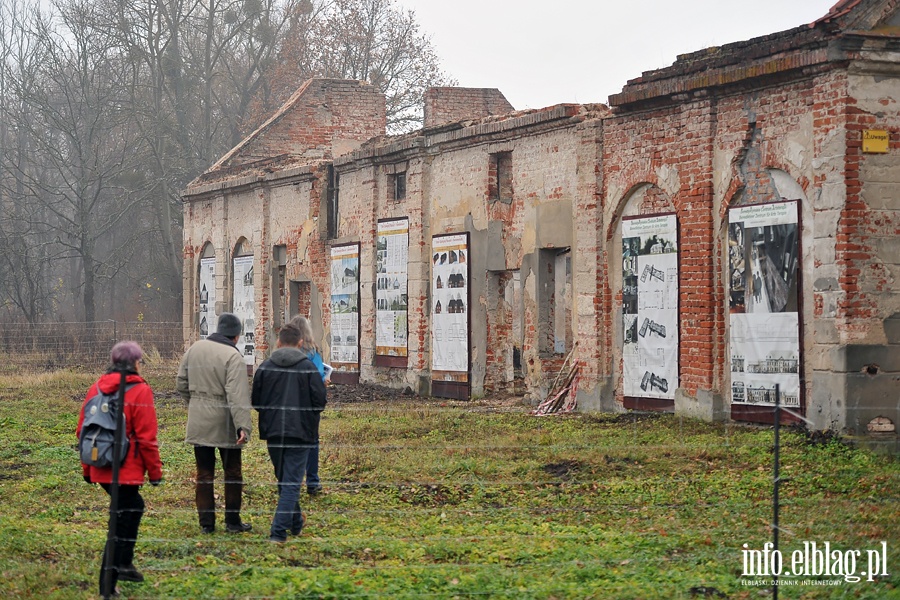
[
  {"x": 434, "y": 498},
  {"x": 412, "y": 503},
  {"x": 44, "y": 347}
]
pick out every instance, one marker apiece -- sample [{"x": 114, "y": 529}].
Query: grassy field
[{"x": 451, "y": 500}]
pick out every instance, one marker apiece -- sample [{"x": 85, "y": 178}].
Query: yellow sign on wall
[{"x": 875, "y": 141}]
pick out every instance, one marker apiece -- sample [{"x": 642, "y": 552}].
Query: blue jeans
[
  {"x": 312, "y": 468},
  {"x": 289, "y": 461}
]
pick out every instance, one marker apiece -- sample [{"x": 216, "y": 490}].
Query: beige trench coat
[{"x": 213, "y": 379}]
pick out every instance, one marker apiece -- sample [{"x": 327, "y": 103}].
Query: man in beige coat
[{"x": 213, "y": 379}]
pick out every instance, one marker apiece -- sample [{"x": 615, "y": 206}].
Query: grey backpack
[{"x": 98, "y": 430}]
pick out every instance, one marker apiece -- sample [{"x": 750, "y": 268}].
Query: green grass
[{"x": 449, "y": 500}]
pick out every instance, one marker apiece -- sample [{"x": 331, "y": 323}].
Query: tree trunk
[
  {"x": 90, "y": 310},
  {"x": 172, "y": 252}
]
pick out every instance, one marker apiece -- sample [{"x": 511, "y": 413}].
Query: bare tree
[
  {"x": 82, "y": 154},
  {"x": 243, "y": 52},
  {"x": 371, "y": 40},
  {"x": 108, "y": 108},
  {"x": 196, "y": 66},
  {"x": 148, "y": 37},
  {"x": 24, "y": 252}
]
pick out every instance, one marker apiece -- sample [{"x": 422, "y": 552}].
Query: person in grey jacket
[
  {"x": 213, "y": 379},
  {"x": 289, "y": 394}
]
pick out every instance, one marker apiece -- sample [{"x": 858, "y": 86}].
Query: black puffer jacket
[{"x": 289, "y": 394}]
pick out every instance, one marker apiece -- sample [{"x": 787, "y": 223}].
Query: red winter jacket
[{"x": 140, "y": 426}]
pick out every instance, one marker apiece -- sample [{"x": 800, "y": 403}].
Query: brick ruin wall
[
  {"x": 572, "y": 185},
  {"x": 450, "y": 105},
  {"x": 330, "y": 118}
]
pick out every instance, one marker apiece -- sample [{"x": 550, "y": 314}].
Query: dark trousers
[
  {"x": 234, "y": 484},
  {"x": 128, "y": 520}
]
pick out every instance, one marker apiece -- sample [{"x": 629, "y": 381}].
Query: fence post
[
  {"x": 110, "y": 557},
  {"x": 776, "y": 481}
]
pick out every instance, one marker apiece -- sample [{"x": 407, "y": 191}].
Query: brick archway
[
  {"x": 645, "y": 198},
  {"x": 764, "y": 187}
]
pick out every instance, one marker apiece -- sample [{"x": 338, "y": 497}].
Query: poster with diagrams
[
  {"x": 650, "y": 306},
  {"x": 244, "y": 306},
  {"x": 450, "y": 307},
  {"x": 763, "y": 258},
  {"x": 345, "y": 308},
  {"x": 207, "y": 290},
  {"x": 391, "y": 266}
]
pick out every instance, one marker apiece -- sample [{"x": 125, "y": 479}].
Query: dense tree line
[{"x": 108, "y": 108}]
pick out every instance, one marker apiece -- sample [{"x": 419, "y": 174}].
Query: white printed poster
[
  {"x": 245, "y": 306},
  {"x": 345, "y": 308},
  {"x": 391, "y": 266},
  {"x": 650, "y": 306},
  {"x": 763, "y": 257},
  {"x": 207, "y": 290},
  {"x": 449, "y": 310}
]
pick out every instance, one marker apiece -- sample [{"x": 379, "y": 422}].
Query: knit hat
[{"x": 229, "y": 325}]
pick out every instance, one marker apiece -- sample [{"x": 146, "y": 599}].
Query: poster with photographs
[
  {"x": 207, "y": 304},
  {"x": 345, "y": 308},
  {"x": 650, "y": 306},
  {"x": 391, "y": 266},
  {"x": 245, "y": 306},
  {"x": 450, "y": 307},
  {"x": 763, "y": 257}
]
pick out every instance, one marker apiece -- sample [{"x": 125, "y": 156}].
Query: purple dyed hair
[{"x": 126, "y": 353}]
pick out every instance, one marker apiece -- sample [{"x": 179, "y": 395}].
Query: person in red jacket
[{"x": 143, "y": 454}]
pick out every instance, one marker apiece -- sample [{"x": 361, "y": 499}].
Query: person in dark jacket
[
  {"x": 289, "y": 394},
  {"x": 309, "y": 347},
  {"x": 142, "y": 457}
]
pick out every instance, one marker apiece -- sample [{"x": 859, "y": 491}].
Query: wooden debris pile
[{"x": 563, "y": 393}]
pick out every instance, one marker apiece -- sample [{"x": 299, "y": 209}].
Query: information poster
[
  {"x": 650, "y": 306},
  {"x": 207, "y": 304},
  {"x": 245, "y": 306},
  {"x": 763, "y": 255},
  {"x": 345, "y": 308},
  {"x": 391, "y": 265},
  {"x": 449, "y": 310}
]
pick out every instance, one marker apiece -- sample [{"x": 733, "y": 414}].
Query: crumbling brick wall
[
  {"x": 671, "y": 150},
  {"x": 328, "y": 117},
  {"x": 268, "y": 191},
  {"x": 771, "y": 119},
  {"x": 453, "y": 104}
]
